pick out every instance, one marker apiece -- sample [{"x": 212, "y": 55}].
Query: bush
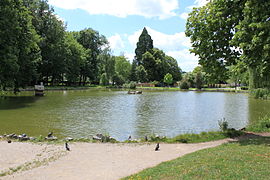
[
  {"x": 223, "y": 124},
  {"x": 131, "y": 85},
  {"x": 263, "y": 125},
  {"x": 104, "y": 79},
  {"x": 261, "y": 93},
  {"x": 184, "y": 85},
  {"x": 228, "y": 132}
]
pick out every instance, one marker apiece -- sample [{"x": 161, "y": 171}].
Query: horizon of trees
[{"x": 36, "y": 47}]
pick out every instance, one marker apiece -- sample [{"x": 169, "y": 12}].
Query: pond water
[{"x": 85, "y": 113}]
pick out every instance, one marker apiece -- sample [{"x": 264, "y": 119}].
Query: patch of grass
[
  {"x": 263, "y": 125},
  {"x": 189, "y": 138},
  {"x": 247, "y": 159}
]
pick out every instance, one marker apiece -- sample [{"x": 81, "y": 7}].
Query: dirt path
[{"x": 90, "y": 160}]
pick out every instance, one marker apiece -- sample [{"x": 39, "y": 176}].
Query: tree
[
  {"x": 74, "y": 58},
  {"x": 211, "y": 29},
  {"x": 122, "y": 67},
  {"x": 157, "y": 64},
  {"x": 141, "y": 74},
  {"x": 198, "y": 75},
  {"x": 168, "y": 79},
  {"x": 104, "y": 79},
  {"x": 19, "y": 52},
  {"x": 52, "y": 43},
  {"x": 149, "y": 64},
  {"x": 93, "y": 42},
  {"x": 133, "y": 76},
  {"x": 252, "y": 36},
  {"x": 107, "y": 64},
  {"x": 144, "y": 44}
]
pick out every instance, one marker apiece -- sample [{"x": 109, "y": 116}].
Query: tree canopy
[{"x": 224, "y": 33}]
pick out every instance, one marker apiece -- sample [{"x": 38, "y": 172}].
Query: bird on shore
[
  {"x": 9, "y": 141},
  {"x": 50, "y": 134},
  {"x": 157, "y": 147},
  {"x": 129, "y": 138},
  {"x": 67, "y": 146}
]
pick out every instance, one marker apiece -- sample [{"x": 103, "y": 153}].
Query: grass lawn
[{"x": 246, "y": 159}]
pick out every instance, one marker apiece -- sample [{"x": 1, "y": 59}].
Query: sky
[{"x": 122, "y": 22}]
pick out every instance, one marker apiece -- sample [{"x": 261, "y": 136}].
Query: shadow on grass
[{"x": 252, "y": 139}]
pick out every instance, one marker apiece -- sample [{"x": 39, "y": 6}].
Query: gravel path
[{"x": 89, "y": 160}]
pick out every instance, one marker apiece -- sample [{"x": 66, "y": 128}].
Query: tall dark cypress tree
[{"x": 144, "y": 44}]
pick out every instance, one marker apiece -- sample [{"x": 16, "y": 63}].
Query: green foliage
[
  {"x": 184, "y": 84},
  {"x": 131, "y": 85},
  {"x": 93, "y": 42},
  {"x": 133, "y": 76},
  {"x": 168, "y": 79},
  {"x": 122, "y": 68},
  {"x": 104, "y": 79},
  {"x": 231, "y": 38},
  {"x": 223, "y": 125},
  {"x": 141, "y": 74},
  {"x": 261, "y": 93},
  {"x": 144, "y": 44},
  {"x": 228, "y": 132},
  {"x": 211, "y": 28},
  {"x": 74, "y": 58},
  {"x": 19, "y": 51},
  {"x": 107, "y": 64},
  {"x": 263, "y": 125},
  {"x": 252, "y": 37}
]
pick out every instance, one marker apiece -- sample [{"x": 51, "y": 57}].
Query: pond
[{"x": 83, "y": 113}]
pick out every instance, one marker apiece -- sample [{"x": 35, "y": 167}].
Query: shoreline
[{"x": 64, "y": 88}]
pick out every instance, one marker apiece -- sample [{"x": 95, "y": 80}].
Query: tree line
[
  {"x": 36, "y": 47},
  {"x": 231, "y": 39}
]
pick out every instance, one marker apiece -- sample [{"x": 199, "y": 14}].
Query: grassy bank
[{"x": 246, "y": 159}]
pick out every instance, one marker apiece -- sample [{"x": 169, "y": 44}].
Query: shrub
[
  {"x": 223, "y": 124},
  {"x": 104, "y": 79},
  {"x": 184, "y": 85},
  {"x": 131, "y": 85},
  {"x": 261, "y": 93},
  {"x": 228, "y": 132},
  {"x": 263, "y": 125}
]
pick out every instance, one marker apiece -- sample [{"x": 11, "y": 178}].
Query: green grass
[
  {"x": 247, "y": 159},
  {"x": 191, "y": 138}
]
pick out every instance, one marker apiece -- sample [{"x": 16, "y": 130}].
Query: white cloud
[
  {"x": 130, "y": 56},
  {"x": 122, "y": 8},
  {"x": 116, "y": 42},
  {"x": 186, "y": 60},
  {"x": 184, "y": 15},
  {"x": 163, "y": 41},
  {"x": 200, "y": 3}
]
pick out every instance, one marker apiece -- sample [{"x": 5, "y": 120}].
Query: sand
[{"x": 95, "y": 161}]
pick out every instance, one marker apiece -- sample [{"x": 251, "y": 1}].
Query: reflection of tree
[
  {"x": 236, "y": 110},
  {"x": 257, "y": 109},
  {"x": 153, "y": 111}
]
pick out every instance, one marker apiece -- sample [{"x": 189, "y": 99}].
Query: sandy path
[{"x": 94, "y": 161}]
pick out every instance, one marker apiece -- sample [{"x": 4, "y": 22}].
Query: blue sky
[{"x": 122, "y": 21}]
